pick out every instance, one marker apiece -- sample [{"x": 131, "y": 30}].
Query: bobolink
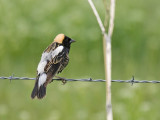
[{"x": 53, "y": 60}]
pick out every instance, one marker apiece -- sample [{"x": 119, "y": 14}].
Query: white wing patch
[
  {"x": 43, "y": 62},
  {"x": 57, "y": 51}
]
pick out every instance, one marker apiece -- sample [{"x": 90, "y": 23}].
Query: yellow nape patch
[{"x": 59, "y": 38}]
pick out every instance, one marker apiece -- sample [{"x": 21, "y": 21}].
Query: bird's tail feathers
[{"x": 40, "y": 92}]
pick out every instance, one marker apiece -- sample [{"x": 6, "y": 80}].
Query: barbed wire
[{"x": 132, "y": 81}]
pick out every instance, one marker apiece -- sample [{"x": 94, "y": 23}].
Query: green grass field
[{"x": 27, "y": 27}]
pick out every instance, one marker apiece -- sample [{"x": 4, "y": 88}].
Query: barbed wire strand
[{"x": 132, "y": 81}]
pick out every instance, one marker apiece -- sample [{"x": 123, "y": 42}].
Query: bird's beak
[{"x": 72, "y": 41}]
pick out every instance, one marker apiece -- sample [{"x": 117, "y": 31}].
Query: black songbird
[{"x": 53, "y": 60}]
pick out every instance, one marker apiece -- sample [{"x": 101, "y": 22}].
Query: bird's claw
[
  {"x": 64, "y": 81},
  {"x": 51, "y": 81}
]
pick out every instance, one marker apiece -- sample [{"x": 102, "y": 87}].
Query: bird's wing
[
  {"x": 50, "y": 48},
  {"x": 44, "y": 63},
  {"x": 55, "y": 59},
  {"x": 54, "y": 65},
  {"x": 61, "y": 59},
  {"x": 52, "y": 72}
]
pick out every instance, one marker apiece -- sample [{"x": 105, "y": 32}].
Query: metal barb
[
  {"x": 132, "y": 81},
  {"x": 11, "y": 77}
]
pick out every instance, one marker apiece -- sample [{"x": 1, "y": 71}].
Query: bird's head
[{"x": 64, "y": 40}]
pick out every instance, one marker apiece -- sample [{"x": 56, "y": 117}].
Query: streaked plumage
[{"x": 53, "y": 60}]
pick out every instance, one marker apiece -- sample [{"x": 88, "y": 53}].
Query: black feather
[
  {"x": 39, "y": 92},
  {"x": 35, "y": 89}
]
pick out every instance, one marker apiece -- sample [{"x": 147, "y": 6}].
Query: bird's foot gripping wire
[{"x": 64, "y": 81}]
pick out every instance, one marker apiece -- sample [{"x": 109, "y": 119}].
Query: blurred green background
[{"x": 27, "y": 27}]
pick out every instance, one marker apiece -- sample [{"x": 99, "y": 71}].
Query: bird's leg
[
  {"x": 64, "y": 81},
  {"x": 51, "y": 81}
]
